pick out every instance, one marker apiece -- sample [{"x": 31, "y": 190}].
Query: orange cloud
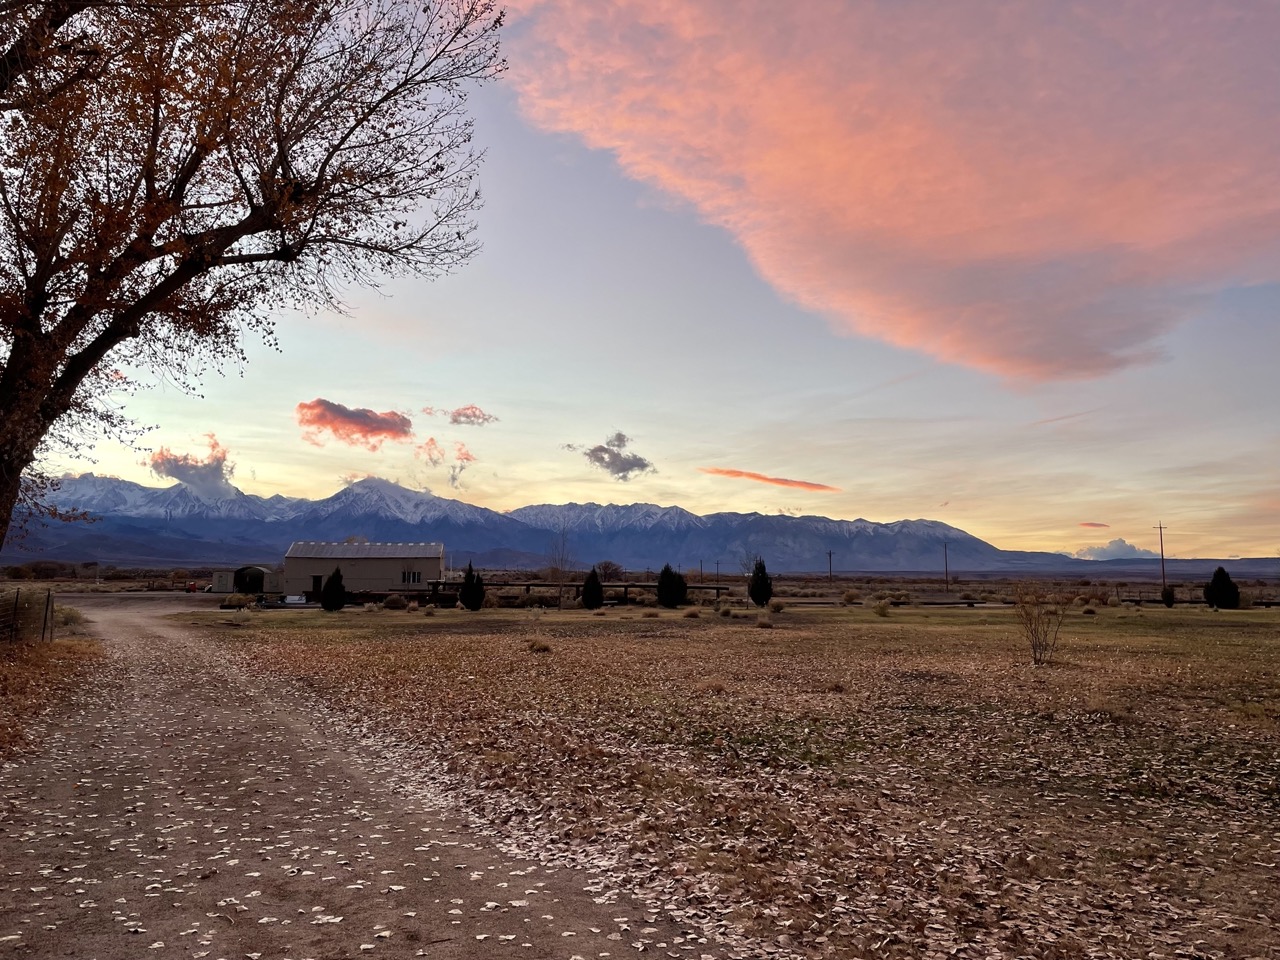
[
  {"x": 761, "y": 478},
  {"x": 359, "y": 427},
  {"x": 1036, "y": 190},
  {"x": 461, "y": 454}
]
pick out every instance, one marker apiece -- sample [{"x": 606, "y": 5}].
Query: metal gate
[{"x": 26, "y": 614}]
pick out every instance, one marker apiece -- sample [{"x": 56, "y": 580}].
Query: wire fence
[{"x": 26, "y": 615}]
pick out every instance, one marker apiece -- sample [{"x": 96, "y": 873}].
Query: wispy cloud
[
  {"x": 614, "y": 458},
  {"x": 762, "y": 478},
  {"x": 1036, "y": 190},
  {"x": 1060, "y": 419},
  {"x": 1095, "y": 525},
  {"x": 359, "y": 427},
  {"x": 209, "y": 477},
  {"x": 430, "y": 451}
]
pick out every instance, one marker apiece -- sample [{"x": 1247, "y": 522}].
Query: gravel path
[{"x": 179, "y": 808}]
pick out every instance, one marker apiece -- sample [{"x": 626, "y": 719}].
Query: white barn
[{"x": 406, "y": 568}]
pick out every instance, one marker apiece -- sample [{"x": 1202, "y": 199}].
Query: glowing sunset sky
[{"x": 1012, "y": 266}]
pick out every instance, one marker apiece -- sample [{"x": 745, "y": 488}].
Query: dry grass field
[{"x": 844, "y": 784}]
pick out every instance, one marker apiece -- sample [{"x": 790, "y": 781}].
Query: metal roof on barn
[{"x": 317, "y": 549}]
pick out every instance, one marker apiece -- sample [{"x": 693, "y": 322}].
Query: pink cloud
[
  {"x": 466, "y": 416},
  {"x": 359, "y": 427},
  {"x": 461, "y": 454},
  {"x": 1093, "y": 525},
  {"x": 761, "y": 478},
  {"x": 1035, "y": 190},
  {"x": 470, "y": 415},
  {"x": 430, "y": 451}
]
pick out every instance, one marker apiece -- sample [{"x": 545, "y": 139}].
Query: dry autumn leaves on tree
[{"x": 173, "y": 172}]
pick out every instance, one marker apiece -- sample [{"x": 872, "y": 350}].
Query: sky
[{"x": 1010, "y": 266}]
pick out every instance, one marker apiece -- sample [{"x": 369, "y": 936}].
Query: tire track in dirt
[{"x": 179, "y": 808}]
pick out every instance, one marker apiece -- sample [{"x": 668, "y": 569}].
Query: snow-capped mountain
[{"x": 146, "y": 525}]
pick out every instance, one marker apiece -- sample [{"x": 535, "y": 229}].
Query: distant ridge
[{"x": 157, "y": 526}]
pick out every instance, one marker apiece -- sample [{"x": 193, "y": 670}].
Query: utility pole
[
  {"x": 717, "y": 571},
  {"x": 830, "y": 575},
  {"x": 946, "y": 569},
  {"x": 701, "y": 578},
  {"x": 1161, "y": 527}
]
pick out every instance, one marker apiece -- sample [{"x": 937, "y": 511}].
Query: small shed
[
  {"x": 366, "y": 567},
  {"x": 251, "y": 579}
]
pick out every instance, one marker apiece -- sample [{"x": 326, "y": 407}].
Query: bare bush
[{"x": 1040, "y": 611}]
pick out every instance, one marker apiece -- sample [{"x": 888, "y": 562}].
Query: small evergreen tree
[
  {"x": 1167, "y": 596},
  {"x": 672, "y": 588},
  {"x": 760, "y": 586},
  {"x": 333, "y": 595},
  {"x": 471, "y": 595},
  {"x": 592, "y": 591},
  {"x": 1221, "y": 591}
]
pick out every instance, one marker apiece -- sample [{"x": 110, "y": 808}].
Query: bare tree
[
  {"x": 560, "y": 561},
  {"x": 168, "y": 181},
  {"x": 1040, "y": 611},
  {"x": 609, "y": 571}
]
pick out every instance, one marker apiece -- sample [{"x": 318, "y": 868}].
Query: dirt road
[{"x": 180, "y": 807}]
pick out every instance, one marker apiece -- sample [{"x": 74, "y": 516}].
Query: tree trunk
[
  {"x": 31, "y": 407},
  {"x": 13, "y": 463}
]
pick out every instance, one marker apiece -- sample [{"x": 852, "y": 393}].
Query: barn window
[{"x": 410, "y": 576}]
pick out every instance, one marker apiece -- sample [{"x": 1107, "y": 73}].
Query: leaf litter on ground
[{"x": 844, "y": 786}]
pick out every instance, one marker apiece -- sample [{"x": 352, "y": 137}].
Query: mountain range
[{"x": 136, "y": 525}]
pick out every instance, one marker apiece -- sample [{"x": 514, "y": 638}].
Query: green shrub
[
  {"x": 1167, "y": 596},
  {"x": 592, "y": 591},
  {"x": 395, "y": 602},
  {"x": 471, "y": 593},
  {"x": 1221, "y": 591},
  {"x": 881, "y": 607},
  {"x": 760, "y": 586},
  {"x": 673, "y": 590},
  {"x": 333, "y": 595}
]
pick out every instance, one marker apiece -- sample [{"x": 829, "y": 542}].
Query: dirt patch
[{"x": 184, "y": 806}]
